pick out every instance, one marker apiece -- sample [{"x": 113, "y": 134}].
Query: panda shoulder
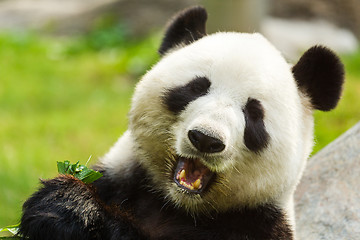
[{"x": 121, "y": 157}]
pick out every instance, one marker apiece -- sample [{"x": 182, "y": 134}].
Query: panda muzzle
[{"x": 192, "y": 175}]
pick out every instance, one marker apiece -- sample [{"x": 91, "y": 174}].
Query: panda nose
[{"x": 205, "y": 143}]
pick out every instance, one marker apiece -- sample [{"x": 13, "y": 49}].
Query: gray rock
[{"x": 328, "y": 197}]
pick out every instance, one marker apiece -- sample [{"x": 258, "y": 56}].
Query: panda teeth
[
  {"x": 183, "y": 174},
  {"x": 189, "y": 186},
  {"x": 192, "y": 186},
  {"x": 192, "y": 175},
  {"x": 197, "y": 183}
]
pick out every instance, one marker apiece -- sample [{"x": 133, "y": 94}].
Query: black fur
[
  {"x": 320, "y": 74},
  {"x": 178, "y": 98},
  {"x": 187, "y": 27},
  {"x": 159, "y": 219},
  {"x": 256, "y": 137},
  {"x": 66, "y": 208}
]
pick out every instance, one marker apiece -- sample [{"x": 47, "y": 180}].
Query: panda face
[
  {"x": 220, "y": 116},
  {"x": 222, "y": 121}
]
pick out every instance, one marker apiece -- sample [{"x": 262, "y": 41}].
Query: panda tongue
[{"x": 192, "y": 175}]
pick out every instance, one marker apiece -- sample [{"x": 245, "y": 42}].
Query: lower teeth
[
  {"x": 187, "y": 185},
  {"x": 195, "y": 185}
]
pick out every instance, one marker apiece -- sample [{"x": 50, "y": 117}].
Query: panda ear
[
  {"x": 320, "y": 74},
  {"x": 186, "y": 27}
]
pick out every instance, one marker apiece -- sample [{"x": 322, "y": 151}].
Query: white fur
[
  {"x": 120, "y": 159},
  {"x": 239, "y": 66}
]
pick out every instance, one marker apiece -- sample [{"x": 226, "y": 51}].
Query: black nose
[{"x": 204, "y": 143}]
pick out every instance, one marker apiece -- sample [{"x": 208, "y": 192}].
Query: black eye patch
[
  {"x": 256, "y": 137},
  {"x": 176, "y": 99}
]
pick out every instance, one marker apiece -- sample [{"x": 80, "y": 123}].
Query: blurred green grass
[
  {"x": 67, "y": 99},
  {"x": 60, "y": 99}
]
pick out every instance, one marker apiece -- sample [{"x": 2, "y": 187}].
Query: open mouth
[{"x": 192, "y": 175}]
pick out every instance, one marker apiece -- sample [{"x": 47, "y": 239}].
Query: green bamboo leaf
[
  {"x": 66, "y": 166},
  {"x": 81, "y": 172},
  {"x": 12, "y": 231},
  {"x": 72, "y": 168},
  {"x": 95, "y": 175},
  {"x": 61, "y": 167}
]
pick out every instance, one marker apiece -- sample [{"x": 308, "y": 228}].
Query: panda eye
[
  {"x": 176, "y": 99},
  {"x": 254, "y": 110},
  {"x": 256, "y": 137},
  {"x": 200, "y": 86}
]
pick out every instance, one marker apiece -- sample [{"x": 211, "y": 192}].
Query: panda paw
[{"x": 63, "y": 208}]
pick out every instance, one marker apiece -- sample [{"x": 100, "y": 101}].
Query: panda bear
[{"x": 219, "y": 133}]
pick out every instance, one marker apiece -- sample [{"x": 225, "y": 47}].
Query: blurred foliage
[
  {"x": 58, "y": 103},
  {"x": 107, "y": 32},
  {"x": 352, "y": 64},
  {"x": 67, "y": 98},
  {"x": 113, "y": 39}
]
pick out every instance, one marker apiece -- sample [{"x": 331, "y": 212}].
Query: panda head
[{"x": 223, "y": 120}]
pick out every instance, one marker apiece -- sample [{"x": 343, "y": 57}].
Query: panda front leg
[{"x": 67, "y": 208}]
